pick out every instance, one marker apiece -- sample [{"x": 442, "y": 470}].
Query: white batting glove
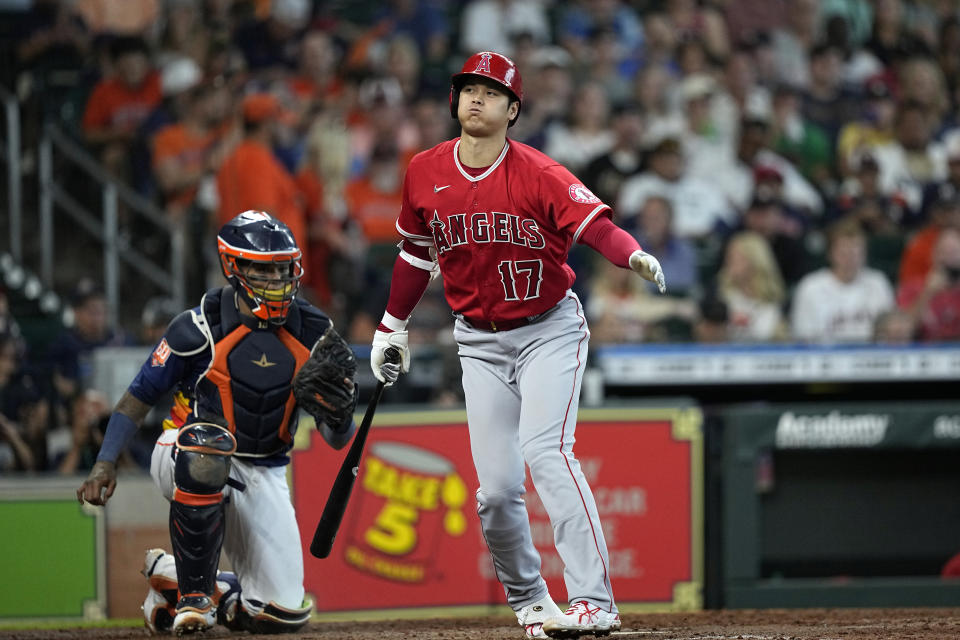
[
  {"x": 385, "y": 372},
  {"x": 649, "y": 268}
]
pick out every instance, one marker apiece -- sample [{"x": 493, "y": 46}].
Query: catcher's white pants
[{"x": 261, "y": 540}]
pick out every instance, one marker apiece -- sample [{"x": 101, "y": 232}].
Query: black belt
[{"x": 501, "y": 325}]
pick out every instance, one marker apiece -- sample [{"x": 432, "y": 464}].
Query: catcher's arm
[{"x": 101, "y": 482}]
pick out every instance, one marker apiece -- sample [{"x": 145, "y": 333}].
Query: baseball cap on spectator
[
  {"x": 380, "y": 91},
  {"x": 878, "y": 87},
  {"x": 260, "y": 107},
  {"x": 663, "y": 138},
  {"x": 713, "y": 309},
  {"x": 159, "y": 311},
  {"x": 86, "y": 289},
  {"x": 865, "y": 161},
  {"x": 947, "y": 197},
  {"x": 784, "y": 89},
  {"x": 292, "y": 13},
  {"x": 123, "y": 45},
  {"x": 952, "y": 147},
  {"x": 384, "y": 151},
  {"x": 757, "y": 109},
  {"x": 696, "y": 86},
  {"x": 823, "y": 48},
  {"x": 766, "y": 173},
  {"x": 550, "y": 56},
  {"x": 626, "y": 107},
  {"x": 764, "y": 197},
  {"x": 179, "y": 75}
]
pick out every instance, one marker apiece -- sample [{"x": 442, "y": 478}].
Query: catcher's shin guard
[{"x": 196, "y": 512}]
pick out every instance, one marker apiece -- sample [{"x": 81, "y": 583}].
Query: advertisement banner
[
  {"x": 867, "y": 425},
  {"x": 411, "y": 538}
]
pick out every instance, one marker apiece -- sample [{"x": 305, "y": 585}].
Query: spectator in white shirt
[
  {"x": 698, "y": 207},
  {"x": 841, "y": 303}
]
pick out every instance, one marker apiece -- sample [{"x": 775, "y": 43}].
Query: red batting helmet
[{"x": 496, "y": 67}]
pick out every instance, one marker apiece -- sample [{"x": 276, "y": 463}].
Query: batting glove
[
  {"x": 382, "y": 340},
  {"x": 649, "y": 268}
]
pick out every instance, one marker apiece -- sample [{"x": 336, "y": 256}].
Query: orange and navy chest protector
[{"x": 231, "y": 369}]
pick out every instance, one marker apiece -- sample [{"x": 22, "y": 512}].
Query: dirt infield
[{"x": 787, "y": 624}]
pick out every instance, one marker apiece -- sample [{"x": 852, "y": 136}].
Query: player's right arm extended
[{"x": 411, "y": 275}]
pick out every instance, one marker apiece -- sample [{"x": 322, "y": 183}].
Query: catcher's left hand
[{"x": 324, "y": 387}]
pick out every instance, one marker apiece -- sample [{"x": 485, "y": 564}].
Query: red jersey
[{"x": 501, "y": 237}]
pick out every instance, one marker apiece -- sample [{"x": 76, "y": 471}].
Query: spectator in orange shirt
[
  {"x": 934, "y": 301},
  {"x": 917, "y": 258},
  {"x": 192, "y": 148},
  {"x": 252, "y": 178},
  {"x": 374, "y": 199},
  {"x": 121, "y": 102}
]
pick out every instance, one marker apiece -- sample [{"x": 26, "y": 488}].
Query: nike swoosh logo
[{"x": 437, "y": 189}]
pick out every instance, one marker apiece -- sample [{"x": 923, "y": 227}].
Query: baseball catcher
[{"x": 242, "y": 361}]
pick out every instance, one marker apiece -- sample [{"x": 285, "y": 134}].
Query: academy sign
[{"x": 833, "y": 430}]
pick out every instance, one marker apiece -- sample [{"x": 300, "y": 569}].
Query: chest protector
[{"x": 250, "y": 375}]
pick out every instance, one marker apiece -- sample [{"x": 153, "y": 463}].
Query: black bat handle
[
  {"x": 391, "y": 355},
  {"x": 333, "y": 511}
]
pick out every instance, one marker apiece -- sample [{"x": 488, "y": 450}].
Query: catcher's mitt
[{"x": 324, "y": 387}]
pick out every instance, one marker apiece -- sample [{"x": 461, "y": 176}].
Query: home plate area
[{"x": 767, "y": 624}]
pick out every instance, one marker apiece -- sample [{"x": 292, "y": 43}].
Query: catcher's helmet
[
  {"x": 494, "y": 66},
  {"x": 257, "y": 238}
]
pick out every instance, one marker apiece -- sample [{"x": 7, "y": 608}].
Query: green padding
[{"x": 49, "y": 564}]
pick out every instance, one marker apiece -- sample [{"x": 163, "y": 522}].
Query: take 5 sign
[{"x": 411, "y": 537}]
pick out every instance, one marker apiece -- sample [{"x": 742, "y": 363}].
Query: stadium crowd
[{"x": 793, "y": 164}]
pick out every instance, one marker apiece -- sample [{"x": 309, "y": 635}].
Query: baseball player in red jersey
[{"x": 497, "y": 218}]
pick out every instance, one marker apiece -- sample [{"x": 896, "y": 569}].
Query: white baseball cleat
[
  {"x": 580, "y": 619},
  {"x": 532, "y": 616},
  {"x": 157, "y": 613},
  {"x": 158, "y": 606},
  {"x": 195, "y": 612}
]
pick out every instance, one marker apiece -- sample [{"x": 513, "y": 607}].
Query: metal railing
[
  {"x": 105, "y": 228},
  {"x": 11, "y": 156}
]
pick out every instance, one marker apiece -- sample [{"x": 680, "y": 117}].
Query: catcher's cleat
[
  {"x": 159, "y": 605},
  {"x": 195, "y": 612},
  {"x": 160, "y": 570},
  {"x": 532, "y": 616},
  {"x": 157, "y": 613},
  {"x": 228, "y": 599},
  {"x": 581, "y": 619}
]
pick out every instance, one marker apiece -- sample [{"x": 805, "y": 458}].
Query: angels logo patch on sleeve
[
  {"x": 160, "y": 354},
  {"x": 579, "y": 193}
]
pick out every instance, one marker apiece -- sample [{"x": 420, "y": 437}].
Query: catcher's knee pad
[
  {"x": 203, "y": 458},
  {"x": 196, "y": 512},
  {"x": 269, "y": 618}
]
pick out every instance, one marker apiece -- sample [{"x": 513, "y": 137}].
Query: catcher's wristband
[{"x": 120, "y": 430}]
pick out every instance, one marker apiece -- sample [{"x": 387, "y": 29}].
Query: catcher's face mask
[
  {"x": 261, "y": 259},
  {"x": 268, "y": 286}
]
